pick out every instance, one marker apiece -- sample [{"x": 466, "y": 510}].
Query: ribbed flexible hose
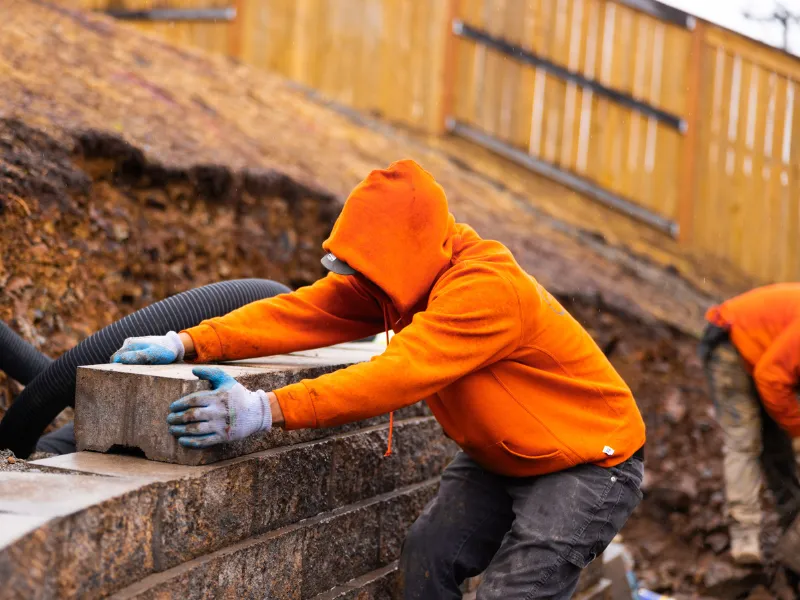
[
  {"x": 54, "y": 389},
  {"x": 18, "y": 359}
]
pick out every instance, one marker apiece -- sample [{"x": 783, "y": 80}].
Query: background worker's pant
[
  {"x": 754, "y": 445},
  {"x": 531, "y": 536}
]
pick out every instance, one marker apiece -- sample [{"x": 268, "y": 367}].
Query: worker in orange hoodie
[
  {"x": 751, "y": 352},
  {"x": 551, "y": 436}
]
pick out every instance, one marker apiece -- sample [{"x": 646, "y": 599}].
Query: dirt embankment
[
  {"x": 93, "y": 231},
  {"x": 65, "y": 71}
]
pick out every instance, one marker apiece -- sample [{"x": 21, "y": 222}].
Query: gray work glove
[
  {"x": 225, "y": 413},
  {"x": 150, "y": 350}
]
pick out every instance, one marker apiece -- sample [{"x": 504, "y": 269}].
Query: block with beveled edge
[{"x": 125, "y": 407}]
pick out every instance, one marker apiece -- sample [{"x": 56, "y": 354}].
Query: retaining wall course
[
  {"x": 186, "y": 511},
  {"x": 296, "y": 562}
]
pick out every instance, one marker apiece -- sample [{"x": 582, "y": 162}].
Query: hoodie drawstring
[{"x": 391, "y": 414}]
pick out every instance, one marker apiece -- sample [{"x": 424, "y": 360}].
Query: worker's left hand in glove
[
  {"x": 225, "y": 413},
  {"x": 150, "y": 350}
]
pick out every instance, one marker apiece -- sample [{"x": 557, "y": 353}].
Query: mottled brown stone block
[
  {"x": 420, "y": 451},
  {"x": 26, "y": 566},
  {"x": 397, "y": 518},
  {"x": 297, "y": 562},
  {"x": 107, "y": 545},
  {"x": 85, "y": 554},
  {"x": 339, "y": 548},
  {"x": 293, "y": 485},
  {"x": 380, "y": 584},
  {"x": 269, "y": 567},
  {"x": 199, "y": 514}
]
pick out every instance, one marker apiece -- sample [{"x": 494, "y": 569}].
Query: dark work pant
[
  {"x": 780, "y": 469},
  {"x": 60, "y": 441},
  {"x": 531, "y": 536}
]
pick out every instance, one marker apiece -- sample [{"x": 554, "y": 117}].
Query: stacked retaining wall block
[
  {"x": 316, "y": 514},
  {"x": 288, "y": 515}
]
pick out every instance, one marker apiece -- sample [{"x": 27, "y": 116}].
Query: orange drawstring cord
[{"x": 391, "y": 414}]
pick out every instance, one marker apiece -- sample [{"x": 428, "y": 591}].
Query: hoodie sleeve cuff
[
  {"x": 207, "y": 345},
  {"x": 297, "y": 407}
]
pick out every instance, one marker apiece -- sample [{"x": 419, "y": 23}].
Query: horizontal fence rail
[
  {"x": 584, "y": 186},
  {"x": 662, "y": 12},
  {"x": 467, "y": 31},
  {"x": 174, "y": 14}
]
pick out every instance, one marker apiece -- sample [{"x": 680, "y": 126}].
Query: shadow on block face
[{"x": 121, "y": 450}]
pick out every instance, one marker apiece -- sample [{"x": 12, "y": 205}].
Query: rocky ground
[{"x": 9, "y": 462}]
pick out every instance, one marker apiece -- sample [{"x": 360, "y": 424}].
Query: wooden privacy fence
[{"x": 681, "y": 124}]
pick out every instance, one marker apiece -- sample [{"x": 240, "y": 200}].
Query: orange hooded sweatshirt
[
  {"x": 508, "y": 373},
  {"x": 764, "y": 325}
]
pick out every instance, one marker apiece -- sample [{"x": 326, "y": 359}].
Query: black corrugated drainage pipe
[
  {"x": 54, "y": 389},
  {"x": 18, "y": 359}
]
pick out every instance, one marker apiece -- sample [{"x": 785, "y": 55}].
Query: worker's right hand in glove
[{"x": 150, "y": 350}]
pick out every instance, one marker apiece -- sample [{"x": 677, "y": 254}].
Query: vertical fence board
[
  {"x": 523, "y": 109},
  {"x": 740, "y": 188},
  {"x": 791, "y": 246},
  {"x": 587, "y": 122},
  {"x": 696, "y": 82},
  {"x": 512, "y": 70},
  {"x": 539, "y": 43},
  {"x": 608, "y": 112},
  {"x": 773, "y": 148},
  {"x": 754, "y": 204},
  {"x": 555, "y": 89}
]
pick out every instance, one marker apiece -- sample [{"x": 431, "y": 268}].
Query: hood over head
[{"x": 396, "y": 230}]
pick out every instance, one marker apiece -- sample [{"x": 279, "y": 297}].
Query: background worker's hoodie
[
  {"x": 508, "y": 373},
  {"x": 764, "y": 326}
]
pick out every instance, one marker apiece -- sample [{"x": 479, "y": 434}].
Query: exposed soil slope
[{"x": 65, "y": 71}]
